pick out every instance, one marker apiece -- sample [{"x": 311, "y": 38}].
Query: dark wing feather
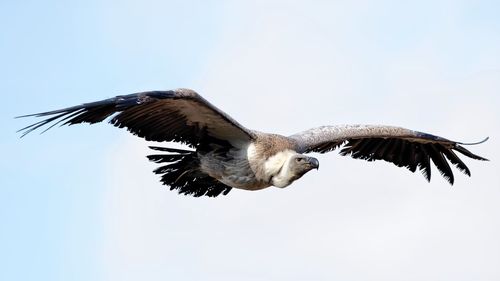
[
  {"x": 402, "y": 147},
  {"x": 182, "y": 173},
  {"x": 180, "y": 115}
]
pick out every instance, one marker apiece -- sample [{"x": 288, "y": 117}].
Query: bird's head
[
  {"x": 300, "y": 164},
  {"x": 286, "y": 167}
]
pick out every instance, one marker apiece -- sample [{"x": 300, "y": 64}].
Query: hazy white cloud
[{"x": 285, "y": 68}]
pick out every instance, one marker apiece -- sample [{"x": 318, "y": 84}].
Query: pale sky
[{"x": 82, "y": 203}]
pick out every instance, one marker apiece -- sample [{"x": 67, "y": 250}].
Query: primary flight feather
[{"x": 225, "y": 154}]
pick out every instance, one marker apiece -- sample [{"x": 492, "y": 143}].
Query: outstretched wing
[
  {"x": 180, "y": 115},
  {"x": 400, "y": 146}
]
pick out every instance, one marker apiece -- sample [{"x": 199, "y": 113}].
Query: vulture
[{"x": 224, "y": 154}]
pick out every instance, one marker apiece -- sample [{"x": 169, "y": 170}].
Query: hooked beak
[{"x": 313, "y": 162}]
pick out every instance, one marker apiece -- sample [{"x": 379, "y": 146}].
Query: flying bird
[{"x": 225, "y": 155}]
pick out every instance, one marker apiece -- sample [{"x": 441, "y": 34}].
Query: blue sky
[{"x": 81, "y": 203}]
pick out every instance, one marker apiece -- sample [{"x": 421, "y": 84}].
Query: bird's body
[
  {"x": 251, "y": 166},
  {"x": 225, "y": 154}
]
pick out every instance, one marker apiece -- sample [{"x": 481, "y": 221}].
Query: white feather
[{"x": 276, "y": 167}]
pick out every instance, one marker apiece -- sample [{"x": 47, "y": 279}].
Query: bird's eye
[{"x": 299, "y": 160}]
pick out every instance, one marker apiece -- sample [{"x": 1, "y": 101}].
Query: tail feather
[{"x": 183, "y": 173}]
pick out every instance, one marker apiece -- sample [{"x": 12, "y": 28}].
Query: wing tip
[{"x": 474, "y": 143}]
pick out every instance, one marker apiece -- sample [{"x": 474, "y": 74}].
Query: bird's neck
[{"x": 277, "y": 169}]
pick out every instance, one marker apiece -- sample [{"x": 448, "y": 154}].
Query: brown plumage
[{"x": 228, "y": 155}]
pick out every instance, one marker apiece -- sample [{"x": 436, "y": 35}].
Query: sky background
[{"x": 81, "y": 202}]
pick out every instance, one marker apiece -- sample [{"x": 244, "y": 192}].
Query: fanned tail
[{"x": 183, "y": 173}]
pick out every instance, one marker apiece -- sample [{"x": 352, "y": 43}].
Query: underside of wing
[
  {"x": 180, "y": 115},
  {"x": 402, "y": 147}
]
